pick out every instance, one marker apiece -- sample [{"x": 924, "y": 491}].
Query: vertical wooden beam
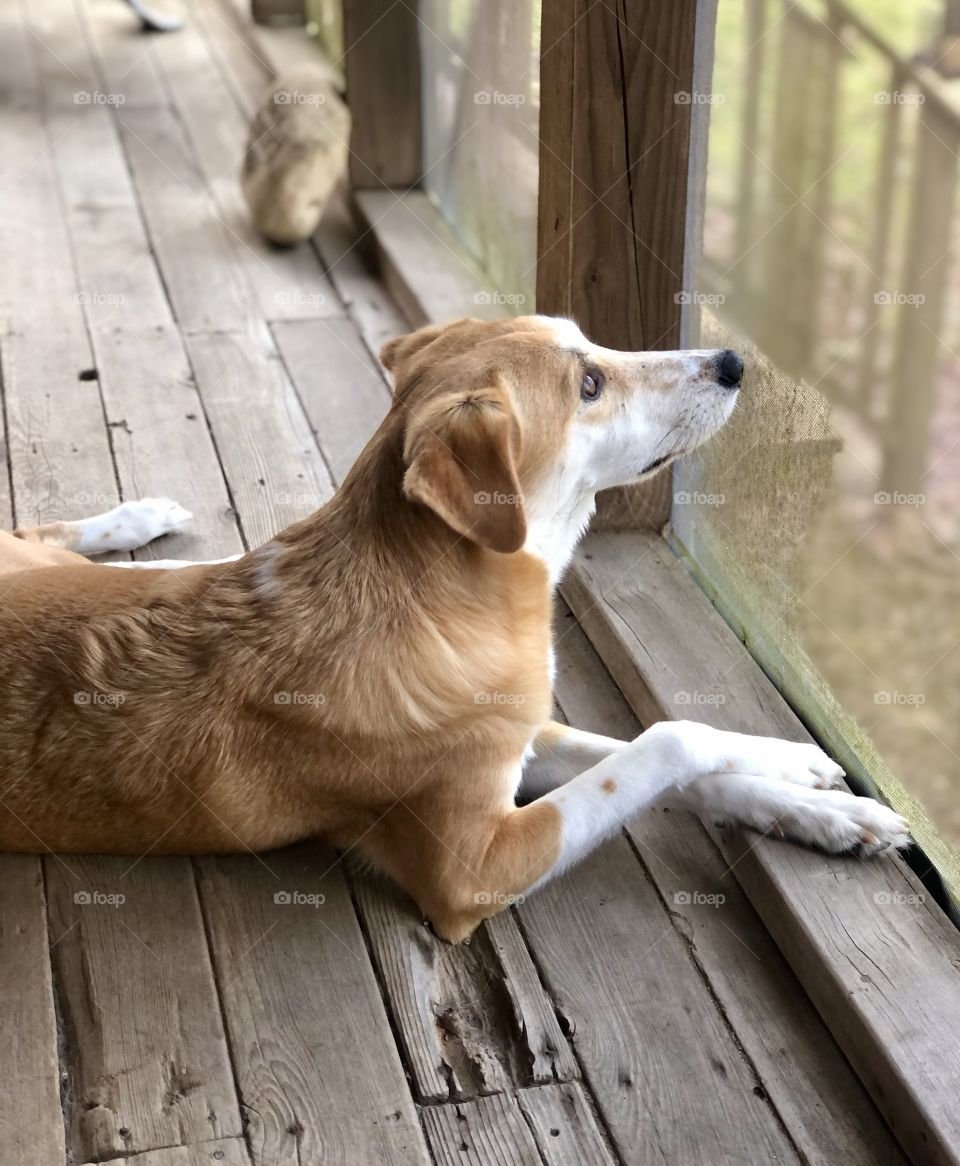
[
  {"x": 622, "y": 90},
  {"x": 382, "y": 68}
]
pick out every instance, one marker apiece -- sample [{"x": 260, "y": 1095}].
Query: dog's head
[{"x": 513, "y": 425}]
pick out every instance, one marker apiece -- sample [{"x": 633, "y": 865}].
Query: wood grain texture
[
  {"x": 158, "y": 430},
  {"x": 54, "y": 419},
  {"x": 343, "y": 392},
  {"x": 318, "y": 1072},
  {"x": 563, "y": 1126},
  {"x": 222, "y": 1152},
  {"x": 31, "y": 1122},
  {"x": 878, "y": 959},
  {"x": 145, "y": 1053},
  {"x": 615, "y": 137},
  {"x": 819, "y": 1098},
  {"x": 488, "y": 1132},
  {"x": 670, "y": 1079},
  {"x": 382, "y": 69},
  {"x": 472, "y": 1019},
  {"x": 272, "y": 464}
]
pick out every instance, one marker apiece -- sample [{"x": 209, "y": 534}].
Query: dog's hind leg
[{"x": 124, "y": 528}]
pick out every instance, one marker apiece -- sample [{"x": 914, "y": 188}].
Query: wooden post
[
  {"x": 382, "y": 68},
  {"x": 621, "y": 89}
]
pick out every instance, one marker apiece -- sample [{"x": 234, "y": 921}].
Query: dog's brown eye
[{"x": 592, "y": 384}]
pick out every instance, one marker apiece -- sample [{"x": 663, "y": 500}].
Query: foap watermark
[
  {"x": 497, "y": 498},
  {"x": 98, "y": 899},
  {"x": 298, "y": 97},
  {"x": 506, "y": 299},
  {"x": 499, "y": 698},
  {"x": 898, "y": 498},
  {"x": 698, "y": 498},
  {"x": 707, "y": 299},
  {"x": 85, "y": 97},
  {"x": 699, "y": 899},
  {"x": 899, "y": 898},
  {"x": 899, "y": 299},
  {"x": 308, "y": 699},
  {"x": 100, "y": 501},
  {"x": 111, "y": 298},
  {"x": 897, "y": 97},
  {"x": 693, "y": 97},
  {"x": 298, "y": 899},
  {"x": 286, "y": 498},
  {"x": 497, "y": 898},
  {"x": 291, "y": 299},
  {"x": 701, "y": 699},
  {"x": 900, "y": 698},
  {"x": 495, "y": 97},
  {"x": 109, "y": 700}
]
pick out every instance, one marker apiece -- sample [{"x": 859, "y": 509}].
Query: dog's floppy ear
[
  {"x": 403, "y": 347},
  {"x": 461, "y": 450}
]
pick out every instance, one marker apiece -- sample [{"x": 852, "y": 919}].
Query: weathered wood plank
[
  {"x": 159, "y": 434},
  {"x": 321, "y": 356},
  {"x": 272, "y": 464},
  {"x": 145, "y": 1052},
  {"x": 288, "y": 283},
  {"x": 319, "y": 1074},
  {"x": 223, "y": 1152},
  {"x": 671, "y": 1078},
  {"x": 563, "y": 1126},
  {"x": 61, "y": 463},
  {"x": 31, "y": 1122},
  {"x": 818, "y": 1096},
  {"x": 421, "y": 261},
  {"x": 473, "y": 1019},
  {"x": 876, "y": 957},
  {"x": 205, "y": 279},
  {"x": 488, "y": 1132}
]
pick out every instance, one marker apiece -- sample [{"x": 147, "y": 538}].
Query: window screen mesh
[
  {"x": 825, "y": 520},
  {"x": 480, "y": 64}
]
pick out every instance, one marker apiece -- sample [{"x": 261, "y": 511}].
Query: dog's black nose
[{"x": 729, "y": 369}]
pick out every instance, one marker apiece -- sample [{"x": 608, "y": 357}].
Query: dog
[{"x": 379, "y": 673}]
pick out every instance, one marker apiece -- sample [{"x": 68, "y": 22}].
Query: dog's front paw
[
  {"x": 149, "y": 518},
  {"x": 798, "y": 763},
  {"x": 841, "y": 823}
]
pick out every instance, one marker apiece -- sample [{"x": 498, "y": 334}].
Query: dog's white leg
[
  {"x": 124, "y": 528},
  {"x": 559, "y": 753},
  {"x": 759, "y": 781}
]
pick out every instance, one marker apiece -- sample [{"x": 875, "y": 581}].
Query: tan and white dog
[{"x": 379, "y": 674}]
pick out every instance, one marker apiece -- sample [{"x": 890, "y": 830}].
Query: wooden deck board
[
  {"x": 305, "y": 1017},
  {"x": 145, "y": 1056}
]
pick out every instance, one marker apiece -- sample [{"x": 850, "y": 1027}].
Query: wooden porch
[{"x": 286, "y": 1007}]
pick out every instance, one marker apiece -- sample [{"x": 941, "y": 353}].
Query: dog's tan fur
[{"x": 374, "y": 613}]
